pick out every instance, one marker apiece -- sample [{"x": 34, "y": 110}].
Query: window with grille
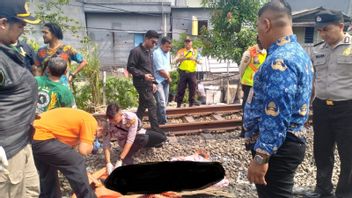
[{"x": 309, "y": 35}]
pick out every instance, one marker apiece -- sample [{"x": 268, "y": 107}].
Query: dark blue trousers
[
  {"x": 333, "y": 126},
  {"x": 51, "y": 156}
]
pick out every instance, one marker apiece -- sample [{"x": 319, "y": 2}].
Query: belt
[
  {"x": 330, "y": 102},
  {"x": 183, "y": 71}
]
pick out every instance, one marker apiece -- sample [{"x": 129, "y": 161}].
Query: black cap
[
  {"x": 18, "y": 9},
  {"x": 326, "y": 17}
]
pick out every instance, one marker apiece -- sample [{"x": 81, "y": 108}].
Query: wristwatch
[{"x": 259, "y": 159}]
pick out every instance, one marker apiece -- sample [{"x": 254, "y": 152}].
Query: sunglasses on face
[{"x": 154, "y": 42}]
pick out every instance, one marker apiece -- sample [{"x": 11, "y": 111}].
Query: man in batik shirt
[
  {"x": 278, "y": 104},
  {"x": 52, "y": 35}
]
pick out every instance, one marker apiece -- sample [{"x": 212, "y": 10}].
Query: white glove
[
  {"x": 3, "y": 160},
  {"x": 109, "y": 167},
  {"x": 118, "y": 163}
]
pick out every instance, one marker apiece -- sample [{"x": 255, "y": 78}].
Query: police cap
[
  {"x": 326, "y": 17},
  {"x": 17, "y": 9}
]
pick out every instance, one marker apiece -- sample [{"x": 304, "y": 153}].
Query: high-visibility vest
[
  {"x": 189, "y": 65},
  {"x": 256, "y": 60}
]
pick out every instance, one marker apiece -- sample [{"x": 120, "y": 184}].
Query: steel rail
[
  {"x": 198, "y": 127},
  {"x": 204, "y": 109}
]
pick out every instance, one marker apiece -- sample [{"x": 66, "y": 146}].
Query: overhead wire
[{"x": 94, "y": 5}]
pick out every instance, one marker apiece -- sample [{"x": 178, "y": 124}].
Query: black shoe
[
  {"x": 317, "y": 194},
  {"x": 157, "y": 129},
  {"x": 158, "y": 145},
  {"x": 195, "y": 103}
]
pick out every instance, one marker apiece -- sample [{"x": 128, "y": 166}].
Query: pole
[
  {"x": 228, "y": 84},
  {"x": 104, "y": 87}
]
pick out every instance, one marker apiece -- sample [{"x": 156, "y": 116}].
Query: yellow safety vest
[
  {"x": 256, "y": 61},
  {"x": 188, "y": 65}
]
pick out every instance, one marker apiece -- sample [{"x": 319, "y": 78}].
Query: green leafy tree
[
  {"x": 233, "y": 28},
  {"x": 51, "y": 11}
]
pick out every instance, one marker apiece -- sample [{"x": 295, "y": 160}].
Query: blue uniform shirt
[
  {"x": 161, "y": 61},
  {"x": 279, "y": 102}
]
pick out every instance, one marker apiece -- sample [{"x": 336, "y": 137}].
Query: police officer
[
  {"x": 332, "y": 107},
  {"x": 127, "y": 128},
  {"x": 26, "y": 52},
  {"x": 18, "y": 96}
]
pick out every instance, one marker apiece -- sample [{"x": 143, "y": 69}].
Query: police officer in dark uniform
[
  {"x": 332, "y": 107},
  {"x": 18, "y": 98}
]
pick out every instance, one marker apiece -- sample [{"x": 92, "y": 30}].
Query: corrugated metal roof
[
  {"x": 341, "y": 5},
  {"x": 188, "y": 3}
]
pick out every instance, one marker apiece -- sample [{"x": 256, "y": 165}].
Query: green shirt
[{"x": 52, "y": 95}]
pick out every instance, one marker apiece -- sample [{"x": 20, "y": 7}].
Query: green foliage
[
  {"x": 51, "y": 11},
  {"x": 175, "y": 78},
  {"x": 121, "y": 91},
  {"x": 233, "y": 28},
  {"x": 178, "y": 44},
  {"x": 83, "y": 97},
  {"x": 90, "y": 95},
  {"x": 89, "y": 88},
  {"x": 32, "y": 43}
]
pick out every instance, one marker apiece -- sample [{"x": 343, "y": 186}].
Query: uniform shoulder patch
[
  {"x": 319, "y": 43},
  {"x": 130, "y": 122}
]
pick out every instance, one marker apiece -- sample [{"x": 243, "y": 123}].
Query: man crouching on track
[
  {"x": 278, "y": 104},
  {"x": 58, "y": 132},
  {"x": 131, "y": 136}
]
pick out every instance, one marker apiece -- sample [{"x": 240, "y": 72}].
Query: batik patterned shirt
[
  {"x": 66, "y": 52},
  {"x": 279, "y": 102}
]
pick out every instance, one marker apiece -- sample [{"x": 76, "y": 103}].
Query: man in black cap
[
  {"x": 187, "y": 58},
  {"x": 332, "y": 107},
  {"x": 18, "y": 97}
]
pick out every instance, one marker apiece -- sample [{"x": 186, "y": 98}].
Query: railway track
[
  {"x": 197, "y": 110},
  {"x": 205, "y": 109},
  {"x": 198, "y": 127},
  {"x": 190, "y": 125},
  {"x": 216, "y": 122}
]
